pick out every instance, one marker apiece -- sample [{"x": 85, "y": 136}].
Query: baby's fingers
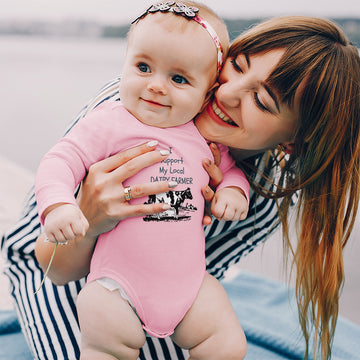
[
  {"x": 67, "y": 234},
  {"x": 54, "y": 233},
  {"x": 241, "y": 214},
  {"x": 234, "y": 214},
  {"x": 50, "y": 237},
  {"x": 79, "y": 227},
  {"x": 57, "y": 236},
  {"x": 218, "y": 209},
  {"x": 223, "y": 211}
]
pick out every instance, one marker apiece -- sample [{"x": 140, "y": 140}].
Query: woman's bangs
[{"x": 288, "y": 74}]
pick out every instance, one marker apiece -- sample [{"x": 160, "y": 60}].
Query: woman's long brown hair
[{"x": 324, "y": 166}]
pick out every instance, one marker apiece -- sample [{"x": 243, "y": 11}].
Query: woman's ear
[
  {"x": 208, "y": 96},
  {"x": 287, "y": 148}
]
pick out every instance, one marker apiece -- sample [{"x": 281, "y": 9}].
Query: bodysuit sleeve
[
  {"x": 232, "y": 175},
  {"x": 66, "y": 164}
]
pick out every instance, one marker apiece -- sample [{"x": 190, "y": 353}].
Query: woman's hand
[
  {"x": 101, "y": 197},
  {"x": 102, "y": 201},
  {"x": 215, "y": 179}
]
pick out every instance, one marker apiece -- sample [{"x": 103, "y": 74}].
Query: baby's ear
[{"x": 208, "y": 96}]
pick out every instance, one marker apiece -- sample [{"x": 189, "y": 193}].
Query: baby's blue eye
[
  {"x": 179, "y": 79},
  {"x": 143, "y": 67}
]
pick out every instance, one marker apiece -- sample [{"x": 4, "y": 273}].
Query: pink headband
[{"x": 189, "y": 13}]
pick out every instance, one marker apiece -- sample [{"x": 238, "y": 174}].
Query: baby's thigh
[
  {"x": 211, "y": 325},
  {"x": 107, "y": 320}
]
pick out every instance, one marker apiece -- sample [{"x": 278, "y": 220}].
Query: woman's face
[{"x": 246, "y": 112}]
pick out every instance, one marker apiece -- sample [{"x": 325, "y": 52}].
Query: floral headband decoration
[{"x": 189, "y": 12}]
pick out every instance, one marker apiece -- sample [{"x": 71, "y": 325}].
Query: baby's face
[{"x": 168, "y": 71}]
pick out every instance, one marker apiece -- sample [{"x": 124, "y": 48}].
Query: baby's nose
[{"x": 158, "y": 86}]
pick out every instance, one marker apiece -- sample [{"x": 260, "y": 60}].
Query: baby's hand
[
  {"x": 64, "y": 222},
  {"x": 229, "y": 204}
]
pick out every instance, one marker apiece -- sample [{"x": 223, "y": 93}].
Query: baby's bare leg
[
  {"x": 109, "y": 326},
  {"x": 210, "y": 329}
]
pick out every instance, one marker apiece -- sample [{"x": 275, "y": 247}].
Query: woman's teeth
[{"x": 221, "y": 115}]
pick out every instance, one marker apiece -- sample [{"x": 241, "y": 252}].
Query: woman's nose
[
  {"x": 229, "y": 95},
  {"x": 157, "y": 85}
]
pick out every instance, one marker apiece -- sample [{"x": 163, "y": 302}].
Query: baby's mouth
[
  {"x": 154, "y": 103},
  {"x": 221, "y": 115}
]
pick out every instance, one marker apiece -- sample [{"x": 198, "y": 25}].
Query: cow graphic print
[{"x": 180, "y": 206}]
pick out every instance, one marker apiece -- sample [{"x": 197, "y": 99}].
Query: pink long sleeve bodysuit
[{"x": 158, "y": 260}]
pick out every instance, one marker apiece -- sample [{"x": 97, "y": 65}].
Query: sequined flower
[
  {"x": 187, "y": 11},
  {"x": 166, "y": 6}
]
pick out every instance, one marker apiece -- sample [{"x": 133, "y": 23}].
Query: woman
[{"x": 307, "y": 99}]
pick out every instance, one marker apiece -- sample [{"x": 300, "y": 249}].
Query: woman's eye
[
  {"x": 259, "y": 104},
  {"x": 236, "y": 65},
  {"x": 143, "y": 67},
  {"x": 179, "y": 79}
]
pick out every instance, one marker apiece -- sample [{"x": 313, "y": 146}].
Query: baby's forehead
[
  {"x": 169, "y": 22},
  {"x": 187, "y": 35}
]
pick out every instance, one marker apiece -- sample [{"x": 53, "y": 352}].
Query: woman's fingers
[
  {"x": 113, "y": 162},
  {"x": 216, "y": 153},
  {"x": 216, "y": 176},
  {"x": 143, "y": 190},
  {"x": 208, "y": 195},
  {"x": 133, "y": 166},
  {"x": 214, "y": 173},
  {"x": 119, "y": 209},
  {"x": 212, "y": 167}
]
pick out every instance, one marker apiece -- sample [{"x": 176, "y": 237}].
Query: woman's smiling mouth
[{"x": 219, "y": 114}]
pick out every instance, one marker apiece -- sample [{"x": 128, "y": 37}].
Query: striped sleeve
[{"x": 49, "y": 320}]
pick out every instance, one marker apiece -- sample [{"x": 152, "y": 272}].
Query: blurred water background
[{"x": 44, "y": 82}]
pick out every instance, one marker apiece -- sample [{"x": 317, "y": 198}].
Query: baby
[{"x": 149, "y": 273}]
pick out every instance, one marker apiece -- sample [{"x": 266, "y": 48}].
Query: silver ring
[{"x": 127, "y": 193}]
